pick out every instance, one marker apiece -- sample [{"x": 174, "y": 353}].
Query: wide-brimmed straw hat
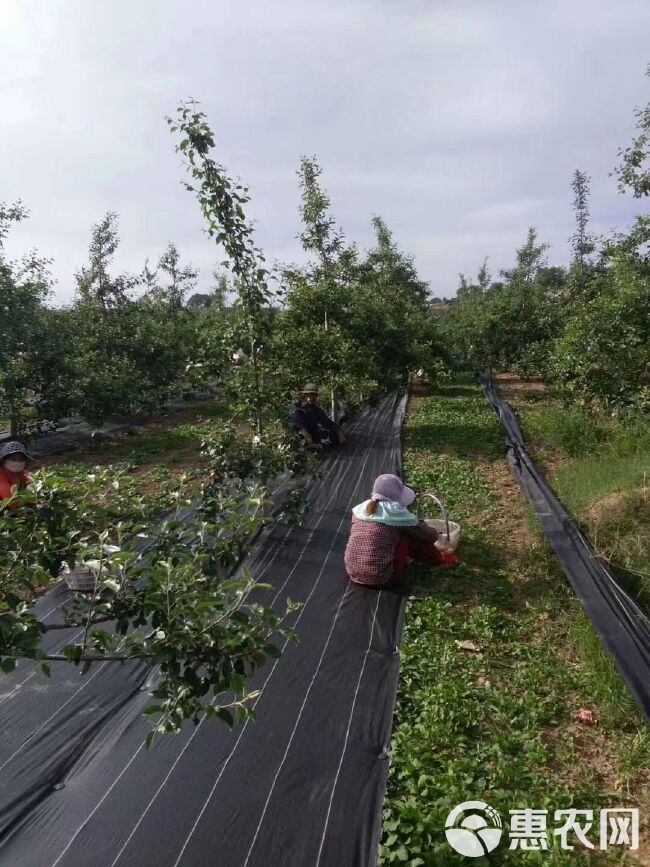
[
  {"x": 310, "y": 388},
  {"x": 392, "y": 488},
  {"x": 14, "y": 448}
]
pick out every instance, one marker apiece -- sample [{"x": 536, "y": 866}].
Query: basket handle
[{"x": 440, "y": 505}]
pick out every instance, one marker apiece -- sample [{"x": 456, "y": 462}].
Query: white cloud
[{"x": 460, "y": 122}]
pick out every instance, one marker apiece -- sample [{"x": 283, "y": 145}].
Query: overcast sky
[{"x": 459, "y": 121}]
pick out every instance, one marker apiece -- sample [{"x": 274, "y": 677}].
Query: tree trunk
[
  {"x": 333, "y": 398},
  {"x": 258, "y": 391},
  {"x": 335, "y": 405},
  {"x": 13, "y": 422}
]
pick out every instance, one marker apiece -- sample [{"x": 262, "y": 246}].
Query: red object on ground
[{"x": 410, "y": 549}]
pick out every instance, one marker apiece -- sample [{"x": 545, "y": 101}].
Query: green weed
[
  {"x": 572, "y": 429},
  {"x": 489, "y": 719},
  {"x": 601, "y": 678},
  {"x": 580, "y": 483}
]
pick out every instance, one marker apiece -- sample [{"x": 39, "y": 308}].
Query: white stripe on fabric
[
  {"x": 56, "y": 608},
  {"x": 296, "y": 724},
  {"x": 125, "y": 769},
  {"x": 98, "y": 805},
  {"x": 180, "y": 755},
  {"x": 132, "y": 759},
  {"x": 182, "y": 752},
  {"x": 49, "y": 719},
  {"x": 212, "y": 791},
  {"x": 347, "y": 733},
  {"x": 30, "y": 676}
]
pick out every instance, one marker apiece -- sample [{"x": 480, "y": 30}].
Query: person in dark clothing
[{"x": 312, "y": 422}]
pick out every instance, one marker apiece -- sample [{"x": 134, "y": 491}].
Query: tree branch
[
  {"x": 60, "y": 657},
  {"x": 50, "y": 626}
]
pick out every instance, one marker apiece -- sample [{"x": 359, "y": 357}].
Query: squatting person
[
  {"x": 385, "y": 536},
  {"x": 14, "y": 460},
  {"x": 312, "y": 422}
]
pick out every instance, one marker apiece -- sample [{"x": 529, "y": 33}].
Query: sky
[{"x": 460, "y": 122}]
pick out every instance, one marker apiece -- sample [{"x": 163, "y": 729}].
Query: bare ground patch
[{"x": 511, "y": 385}]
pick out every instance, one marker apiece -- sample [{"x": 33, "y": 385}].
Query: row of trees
[
  {"x": 586, "y": 326},
  {"x": 128, "y": 342},
  {"x": 357, "y": 323},
  {"x": 122, "y": 345}
]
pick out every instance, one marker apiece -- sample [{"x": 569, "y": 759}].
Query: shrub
[{"x": 603, "y": 353}]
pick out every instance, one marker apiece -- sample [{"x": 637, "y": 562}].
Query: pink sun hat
[{"x": 392, "y": 488}]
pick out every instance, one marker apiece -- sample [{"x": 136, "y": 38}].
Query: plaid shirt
[{"x": 370, "y": 552}]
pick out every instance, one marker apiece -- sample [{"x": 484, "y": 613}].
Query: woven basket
[{"x": 82, "y": 578}]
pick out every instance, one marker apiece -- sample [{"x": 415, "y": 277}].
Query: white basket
[
  {"x": 82, "y": 578},
  {"x": 444, "y": 544}
]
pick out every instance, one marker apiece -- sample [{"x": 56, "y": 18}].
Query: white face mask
[{"x": 15, "y": 466}]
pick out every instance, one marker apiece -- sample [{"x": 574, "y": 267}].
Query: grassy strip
[
  {"x": 600, "y": 468},
  {"x": 157, "y": 465},
  {"x": 497, "y": 723},
  {"x": 171, "y": 438}
]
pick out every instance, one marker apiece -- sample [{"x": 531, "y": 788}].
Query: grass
[
  {"x": 592, "y": 455},
  {"x": 582, "y": 482},
  {"x": 601, "y": 678},
  {"x": 166, "y": 440},
  {"x": 577, "y": 431},
  {"x": 158, "y": 464},
  {"x": 500, "y": 724},
  {"x": 182, "y": 431},
  {"x": 600, "y": 468}
]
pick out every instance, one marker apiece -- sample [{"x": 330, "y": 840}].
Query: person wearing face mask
[{"x": 14, "y": 459}]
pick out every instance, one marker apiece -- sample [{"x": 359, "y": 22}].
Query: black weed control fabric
[
  {"x": 623, "y": 627},
  {"x": 301, "y": 786},
  {"x": 74, "y": 434}
]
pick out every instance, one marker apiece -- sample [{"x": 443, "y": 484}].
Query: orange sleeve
[{"x": 5, "y": 489}]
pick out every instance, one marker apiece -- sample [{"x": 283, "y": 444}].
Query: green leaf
[
  {"x": 8, "y": 664},
  {"x": 272, "y": 650},
  {"x": 152, "y": 709},
  {"x": 224, "y": 714}
]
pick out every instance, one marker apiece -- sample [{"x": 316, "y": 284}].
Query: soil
[
  {"x": 511, "y": 385},
  {"x": 602, "y": 510},
  {"x": 576, "y": 749},
  {"x": 511, "y": 521},
  {"x": 418, "y": 388},
  {"x": 180, "y": 458}
]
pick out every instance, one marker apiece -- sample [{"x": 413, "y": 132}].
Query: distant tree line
[
  {"x": 585, "y": 327},
  {"x": 357, "y": 322}
]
